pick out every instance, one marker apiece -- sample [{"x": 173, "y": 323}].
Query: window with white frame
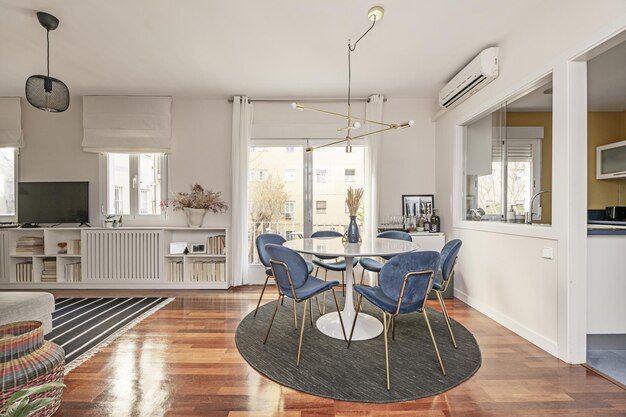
[
  {"x": 503, "y": 167},
  {"x": 290, "y": 208},
  {"x": 289, "y": 175},
  {"x": 8, "y": 180},
  {"x": 134, "y": 183}
]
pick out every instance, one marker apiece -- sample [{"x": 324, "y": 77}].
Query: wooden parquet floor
[{"x": 182, "y": 361}]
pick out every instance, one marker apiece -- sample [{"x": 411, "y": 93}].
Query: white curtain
[
  {"x": 11, "y": 135},
  {"x": 242, "y": 122},
  {"x": 128, "y": 124},
  {"x": 373, "y": 111}
]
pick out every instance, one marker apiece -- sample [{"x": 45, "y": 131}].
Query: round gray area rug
[{"x": 328, "y": 369}]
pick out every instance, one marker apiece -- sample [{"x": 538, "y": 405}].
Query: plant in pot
[
  {"x": 353, "y": 201},
  {"x": 196, "y": 203},
  {"x": 21, "y": 405}
]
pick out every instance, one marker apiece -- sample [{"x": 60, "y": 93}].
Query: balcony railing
[{"x": 288, "y": 230}]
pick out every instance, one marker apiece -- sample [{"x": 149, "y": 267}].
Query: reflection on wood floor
[{"x": 182, "y": 361}]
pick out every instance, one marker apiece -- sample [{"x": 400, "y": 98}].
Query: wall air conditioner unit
[{"x": 481, "y": 71}]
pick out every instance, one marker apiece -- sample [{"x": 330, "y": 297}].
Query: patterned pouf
[{"x": 27, "y": 360}]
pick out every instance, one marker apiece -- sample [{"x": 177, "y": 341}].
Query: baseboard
[{"x": 533, "y": 337}]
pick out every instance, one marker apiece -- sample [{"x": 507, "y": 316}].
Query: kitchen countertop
[{"x": 596, "y": 227}]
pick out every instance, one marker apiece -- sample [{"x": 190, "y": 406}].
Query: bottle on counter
[
  {"x": 426, "y": 224},
  {"x": 435, "y": 222}
]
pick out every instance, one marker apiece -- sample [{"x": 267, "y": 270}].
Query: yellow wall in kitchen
[
  {"x": 604, "y": 128},
  {"x": 536, "y": 119}
]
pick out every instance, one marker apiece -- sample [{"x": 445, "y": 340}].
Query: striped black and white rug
[{"x": 83, "y": 326}]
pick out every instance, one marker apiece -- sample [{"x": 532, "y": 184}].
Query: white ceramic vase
[{"x": 194, "y": 216}]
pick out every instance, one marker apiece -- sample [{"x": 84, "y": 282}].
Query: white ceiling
[
  {"x": 269, "y": 48},
  {"x": 606, "y": 85}
]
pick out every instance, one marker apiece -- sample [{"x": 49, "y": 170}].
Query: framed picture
[
  {"x": 197, "y": 248},
  {"x": 177, "y": 248},
  {"x": 418, "y": 204}
]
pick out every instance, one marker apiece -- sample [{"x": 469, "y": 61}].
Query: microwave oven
[{"x": 611, "y": 160}]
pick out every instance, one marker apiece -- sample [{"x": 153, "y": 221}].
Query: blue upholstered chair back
[
  {"x": 393, "y": 272},
  {"x": 298, "y": 269},
  {"x": 395, "y": 234},
  {"x": 448, "y": 255},
  {"x": 263, "y": 240},
  {"x": 326, "y": 233}
]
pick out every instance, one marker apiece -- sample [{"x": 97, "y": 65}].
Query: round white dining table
[{"x": 367, "y": 327}]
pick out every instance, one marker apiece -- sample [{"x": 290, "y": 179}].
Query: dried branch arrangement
[
  {"x": 353, "y": 201},
  {"x": 198, "y": 198}
]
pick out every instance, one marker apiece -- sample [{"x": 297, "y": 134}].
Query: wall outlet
[{"x": 547, "y": 252}]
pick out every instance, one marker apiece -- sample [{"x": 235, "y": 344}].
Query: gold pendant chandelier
[{"x": 354, "y": 123}]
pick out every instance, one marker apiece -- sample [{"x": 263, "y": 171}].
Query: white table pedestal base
[{"x": 367, "y": 327}]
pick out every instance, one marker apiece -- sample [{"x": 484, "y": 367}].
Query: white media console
[{"x": 128, "y": 257}]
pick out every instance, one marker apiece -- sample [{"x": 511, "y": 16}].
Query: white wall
[
  {"x": 201, "y": 130},
  {"x": 502, "y": 272},
  {"x": 407, "y": 163}
]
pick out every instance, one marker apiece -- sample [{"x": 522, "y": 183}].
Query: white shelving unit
[{"x": 136, "y": 257}]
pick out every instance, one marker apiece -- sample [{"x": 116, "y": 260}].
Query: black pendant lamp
[{"x": 43, "y": 91}]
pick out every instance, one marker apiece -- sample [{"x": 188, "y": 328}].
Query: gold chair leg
[
  {"x": 362, "y": 276},
  {"x": 358, "y": 308},
  {"x": 386, "y": 349},
  {"x": 343, "y": 329},
  {"x": 272, "y": 320},
  {"x": 317, "y": 269},
  {"x": 393, "y": 327},
  {"x": 446, "y": 316},
  {"x": 319, "y": 308},
  {"x": 302, "y": 331},
  {"x": 295, "y": 316},
  {"x": 432, "y": 337},
  {"x": 282, "y": 299},
  {"x": 311, "y": 313},
  {"x": 261, "y": 297}
]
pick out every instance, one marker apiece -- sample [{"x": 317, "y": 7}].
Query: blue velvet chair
[
  {"x": 294, "y": 281},
  {"x": 449, "y": 256},
  {"x": 331, "y": 263},
  {"x": 404, "y": 284},
  {"x": 260, "y": 242},
  {"x": 373, "y": 265}
]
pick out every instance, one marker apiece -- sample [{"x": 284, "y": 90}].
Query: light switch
[{"x": 547, "y": 252}]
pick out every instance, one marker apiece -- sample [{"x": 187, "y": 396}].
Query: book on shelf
[
  {"x": 49, "y": 272},
  {"x": 216, "y": 245},
  {"x": 73, "y": 247},
  {"x": 176, "y": 271},
  {"x": 24, "y": 272},
  {"x": 73, "y": 272},
  {"x": 29, "y": 246},
  {"x": 208, "y": 271}
]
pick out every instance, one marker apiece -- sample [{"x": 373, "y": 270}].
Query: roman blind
[
  {"x": 11, "y": 135},
  {"x": 515, "y": 152},
  {"x": 127, "y": 124}
]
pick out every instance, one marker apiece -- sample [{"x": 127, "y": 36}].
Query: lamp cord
[
  {"x": 48, "y": 51},
  {"x": 350, "y": 50}
]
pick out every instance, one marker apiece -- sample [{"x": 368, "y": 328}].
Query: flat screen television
[{"x": 53, "y": 202}]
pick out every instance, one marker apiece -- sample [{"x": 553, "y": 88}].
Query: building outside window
[
  {"x": 320, "y": 175},
  {"x": 350, "y": 174}
]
